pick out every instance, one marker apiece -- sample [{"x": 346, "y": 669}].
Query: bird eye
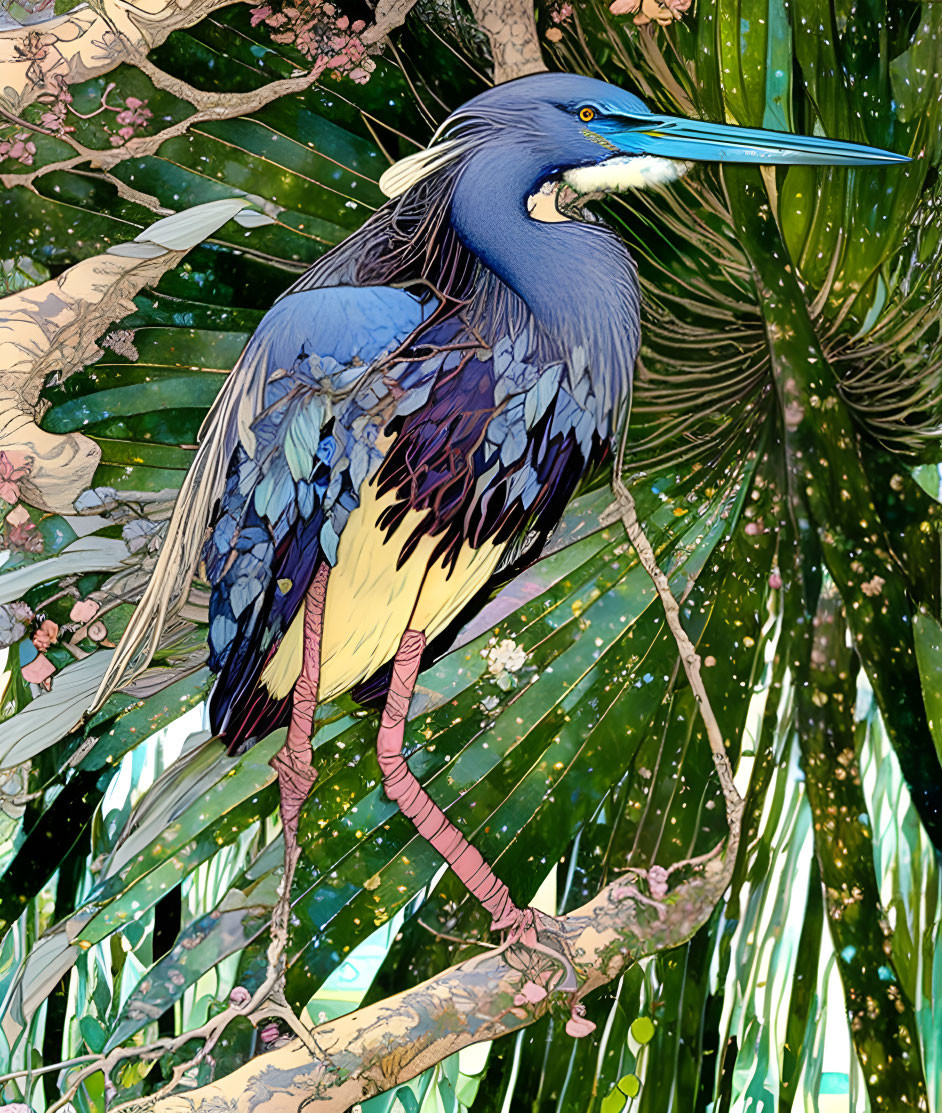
[{"x": 586, "y": 114}]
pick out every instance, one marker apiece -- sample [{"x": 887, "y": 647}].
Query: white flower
[{"x": 506, "y": 656}]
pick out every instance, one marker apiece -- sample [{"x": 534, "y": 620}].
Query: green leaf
[{"x": 927, "y": 634}]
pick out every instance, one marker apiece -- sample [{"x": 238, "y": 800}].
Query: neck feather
[{"x": 576, "y": 280}]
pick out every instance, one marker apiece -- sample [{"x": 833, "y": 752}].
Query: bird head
[{"x": 597, "y": 137}]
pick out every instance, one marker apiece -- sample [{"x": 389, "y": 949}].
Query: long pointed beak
[{"x": 695, "y": 140}]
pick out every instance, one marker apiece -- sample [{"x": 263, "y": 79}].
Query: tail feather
[
  {"x": 226, "y": 424},
  {"x": 242, "y": 712}
]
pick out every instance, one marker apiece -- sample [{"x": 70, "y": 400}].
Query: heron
[{"x": 408, "y": 422}]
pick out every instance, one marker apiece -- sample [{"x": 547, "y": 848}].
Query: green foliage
[{"x": 783, "y": 453}]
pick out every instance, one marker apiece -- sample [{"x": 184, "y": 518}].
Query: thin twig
[
  {"x": 211, "y": 106},
  {"x": 690, "y": 659}
]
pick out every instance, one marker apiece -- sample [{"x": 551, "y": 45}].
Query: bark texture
[{"x": 376, "y": 1048}]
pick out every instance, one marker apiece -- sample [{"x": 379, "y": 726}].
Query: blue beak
[{"x": 695, "y": 140}]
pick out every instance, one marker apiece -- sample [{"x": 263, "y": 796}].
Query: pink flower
[
  {"x": 10, "y": 475},
  {"x": 578, "y": 1025},
  {"x": 98, "y": 631},
  {"x": 84, "y": 610},
  {"x": 657, "y": 882},
  {"x": 239, "y": 997},
  {"x": 22, "y": 150},
  {"x": 46, "y": 635},
  {"x": 39, "y": 670},
  {"x": 775, "y": 581},
  {"x": 24, "y": 536},
  {"x": 259, "y": 14},
  {"x": 530, "y": 994},
  {"x": 270, "y": 1033}
]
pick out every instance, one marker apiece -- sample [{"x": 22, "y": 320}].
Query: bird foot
[
  {"x": 295, "y": 780},
  {"x": 534, "y": 933},
  {"x": 534, "y": 944}
]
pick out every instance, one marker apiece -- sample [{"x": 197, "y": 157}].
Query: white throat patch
[{"x": 625, "y": 172}]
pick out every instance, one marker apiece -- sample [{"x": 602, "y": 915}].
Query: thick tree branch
[
  {"x": 89, "y": 42},
  {"x": 370, "y": 1051},
  {"x": 53, "y": 328},
  {"x": 510, "y": 25}
]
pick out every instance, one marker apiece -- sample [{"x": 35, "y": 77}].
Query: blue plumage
[
  {"x": 467, "y": 359},
  {"x": 484, "y": 442},
  {"x": 408, "y": 422}
]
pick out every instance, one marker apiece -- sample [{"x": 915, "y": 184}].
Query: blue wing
[
  {"x": 486, "y": 443},
  {"x": 319, "y": 384}
]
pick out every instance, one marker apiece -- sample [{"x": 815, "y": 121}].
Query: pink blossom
[
  {"x": 657, "y": 882},
  {"x": 775, "y": 581},
  {"x": 530, "y": 993},
  {"x": 39, "y": 670},
  {"x": 10, "y": 475},
  {"x": 46, "y": 635},
  {"x": 578, "y": 1024},
  {"x": 84, "y": 610},
  {"x": 330, "y": 41},
  {"x": 20, "y": 148},
  {"x": 24, "y": 536},
  {"x": 98, "y": 631},
  {"x": 239, "y": 996}
]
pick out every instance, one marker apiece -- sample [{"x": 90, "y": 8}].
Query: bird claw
[{"x": 523, "y": 927}]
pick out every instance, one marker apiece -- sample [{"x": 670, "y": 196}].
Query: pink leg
[
  {"x": 415, "y": 803},
  {"x": 293, "y": 762}
]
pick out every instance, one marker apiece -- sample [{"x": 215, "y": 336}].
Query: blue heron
[{"x": 406, "y": 425}]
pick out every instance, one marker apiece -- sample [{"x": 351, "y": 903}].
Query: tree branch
[
  {"x": 53, "y": 327},
  {"x": 210, "y": 106},
  {"x": 510, "y": 26},
  {"x": 87, "y": 43},
  {"x": 624, "y": 508},
  {"x": 375, "y": 1048}
]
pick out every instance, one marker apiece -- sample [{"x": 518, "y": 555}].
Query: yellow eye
[{"x": 586, "y": 114}]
